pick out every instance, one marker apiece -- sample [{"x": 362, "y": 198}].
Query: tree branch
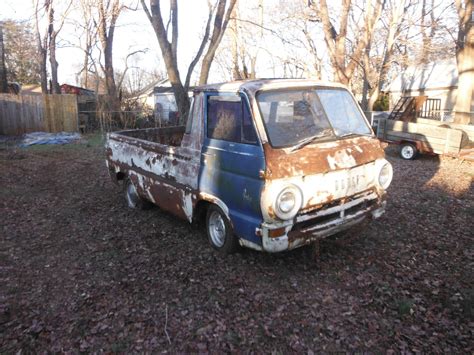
[{"x": 200, "y": 50}]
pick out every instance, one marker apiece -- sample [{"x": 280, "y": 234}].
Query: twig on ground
[{"x": 166, "y": 325}]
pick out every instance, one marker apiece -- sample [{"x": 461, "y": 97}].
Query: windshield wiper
[{"x": 307, "y": 140}]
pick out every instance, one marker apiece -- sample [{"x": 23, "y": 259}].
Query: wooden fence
[{"x": 29, "y": 113}]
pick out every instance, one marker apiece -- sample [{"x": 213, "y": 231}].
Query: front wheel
[
  {"x": 408, "y": 151},
  {"x": 134, "y": 200},
  {"x": 219, "y": 231}
]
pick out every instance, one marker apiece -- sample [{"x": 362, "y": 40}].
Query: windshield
[{"x": 307, "y": 115}]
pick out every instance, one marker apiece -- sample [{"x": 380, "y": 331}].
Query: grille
[{"x": 336, "y": 211}]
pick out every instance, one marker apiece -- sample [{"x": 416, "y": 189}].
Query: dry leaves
[{"x": 79, "y": 271}]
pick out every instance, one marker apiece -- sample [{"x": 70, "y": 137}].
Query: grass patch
[
  {"x": 96, "y": 139},
  {"x": 405, "y": 306}
]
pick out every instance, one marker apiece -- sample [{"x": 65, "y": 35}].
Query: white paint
[
  {"x": 341, "y": 159},
  {"x": 188, "y": 206},
  {"x": 248, "y": 244},
  {"x": 318, "y": 189},
  {"x": 163, "y": 166}
]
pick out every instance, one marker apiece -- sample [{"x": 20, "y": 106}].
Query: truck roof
[{"x": 254, "y": 85}]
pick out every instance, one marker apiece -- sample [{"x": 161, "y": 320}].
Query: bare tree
[
  {"x": 245, "y": 40},
  {"x": 47, "y": 41},
  {"x": 465, "y": 61},
  {"x": 221, "y": 21},
  {"x": 344, "y": 63},
  {"x": 169, "y": 48},
  {"x": 42, "y": 43},
  {"x": 393, "y": 21},
  {"x": 3, "y": 69},
  {"x": 109, "y": 12},
  {"x": 87, "y": 38},
  {"x": 52, "y": 40}
]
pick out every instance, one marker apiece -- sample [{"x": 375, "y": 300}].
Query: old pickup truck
[{"x": 268, "y": 164}]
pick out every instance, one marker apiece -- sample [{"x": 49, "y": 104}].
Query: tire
[
  {"x": 219, "y": 231},
  {"x": 134, "y": 200},
  {"x": 408, "y": 151}
]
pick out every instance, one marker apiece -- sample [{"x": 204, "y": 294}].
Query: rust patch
[
  {"x": 316, "y": 159},
  {"x": 168, "y": 198}
]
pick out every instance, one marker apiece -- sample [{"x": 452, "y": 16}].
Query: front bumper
[{"x": 322, "y": 223}]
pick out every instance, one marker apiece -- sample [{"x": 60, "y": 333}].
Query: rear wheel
[
  {"x": 408, "y": 151},
  {"x": 219, "y": 231},
  {"x": 134, "y": 200}
]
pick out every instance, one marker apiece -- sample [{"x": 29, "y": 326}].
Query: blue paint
[{"x": 230, "y": 168}]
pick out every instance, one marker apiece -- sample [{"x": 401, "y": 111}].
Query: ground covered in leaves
[{"x": 80, "y": 271}]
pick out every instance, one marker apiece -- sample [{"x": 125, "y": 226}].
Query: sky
[{"x": 133, "y": 32}]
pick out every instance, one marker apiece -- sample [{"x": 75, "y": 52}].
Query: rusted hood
[{"x": 320, "y": 158}]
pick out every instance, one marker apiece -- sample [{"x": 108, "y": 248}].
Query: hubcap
[
  {"x": 132, "y": 196},
  {"x": 407, "y": 152},
  {"x": 217, "y": 229}
]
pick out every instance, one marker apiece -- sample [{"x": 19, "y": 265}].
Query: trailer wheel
[
  {"x": 219, "y": 231},
  {"x": 408, "y": 151},
  {"x": 134, "y": 200}
]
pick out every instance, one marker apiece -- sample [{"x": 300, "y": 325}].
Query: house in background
[
  {"x": 438, "y": 81},
  {"x": 165, "y": 108},
  {"x": 144, "y": 99},
  {"x": 76, "y": 90}
]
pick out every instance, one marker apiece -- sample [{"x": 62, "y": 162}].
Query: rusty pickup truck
[{"x": 268, "y": 164}]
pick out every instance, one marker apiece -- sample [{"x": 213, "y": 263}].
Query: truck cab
[{"x": 271, "y": 165}]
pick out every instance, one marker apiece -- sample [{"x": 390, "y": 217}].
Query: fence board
[{"x": 28, "y": 113}]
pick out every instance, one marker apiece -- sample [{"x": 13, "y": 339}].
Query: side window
[{"x": 228, "y": 118}]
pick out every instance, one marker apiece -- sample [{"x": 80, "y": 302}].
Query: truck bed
[
  {"x": 171, "y": 136},
  {"x": 163, "y": 167}
]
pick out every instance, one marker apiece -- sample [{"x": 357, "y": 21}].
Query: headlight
[
  {"x": 385, "y": 175},
  {"x": 288, "y": 202}
]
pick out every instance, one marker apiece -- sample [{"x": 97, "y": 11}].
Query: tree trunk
[
  {"x": 3, "y": 69},
  {"x": 171, "y": 63},
  {"x": 343, "y": 63},
  {"x": 85, "y": 73},
  {"x": 43, "y": 56},
  {"x": 42, "y": 44},
  {"x": 465, "y": 60},
  {"x": 366, "y": 83},
  {"x": 169, "y": 49},
  {"x": 220, "y": 24},
  {"x": 106, "y": 28},
  {"x": 393, "y": 32},
  {"x": 236, "y": 74},
  {"x": 55, "y": 89},
  {"x": 109, "y": 69}
]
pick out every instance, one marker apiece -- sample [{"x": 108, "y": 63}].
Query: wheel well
[
  {"x": 417, "y": 145},
  {"x": 200, "y": 211}
]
